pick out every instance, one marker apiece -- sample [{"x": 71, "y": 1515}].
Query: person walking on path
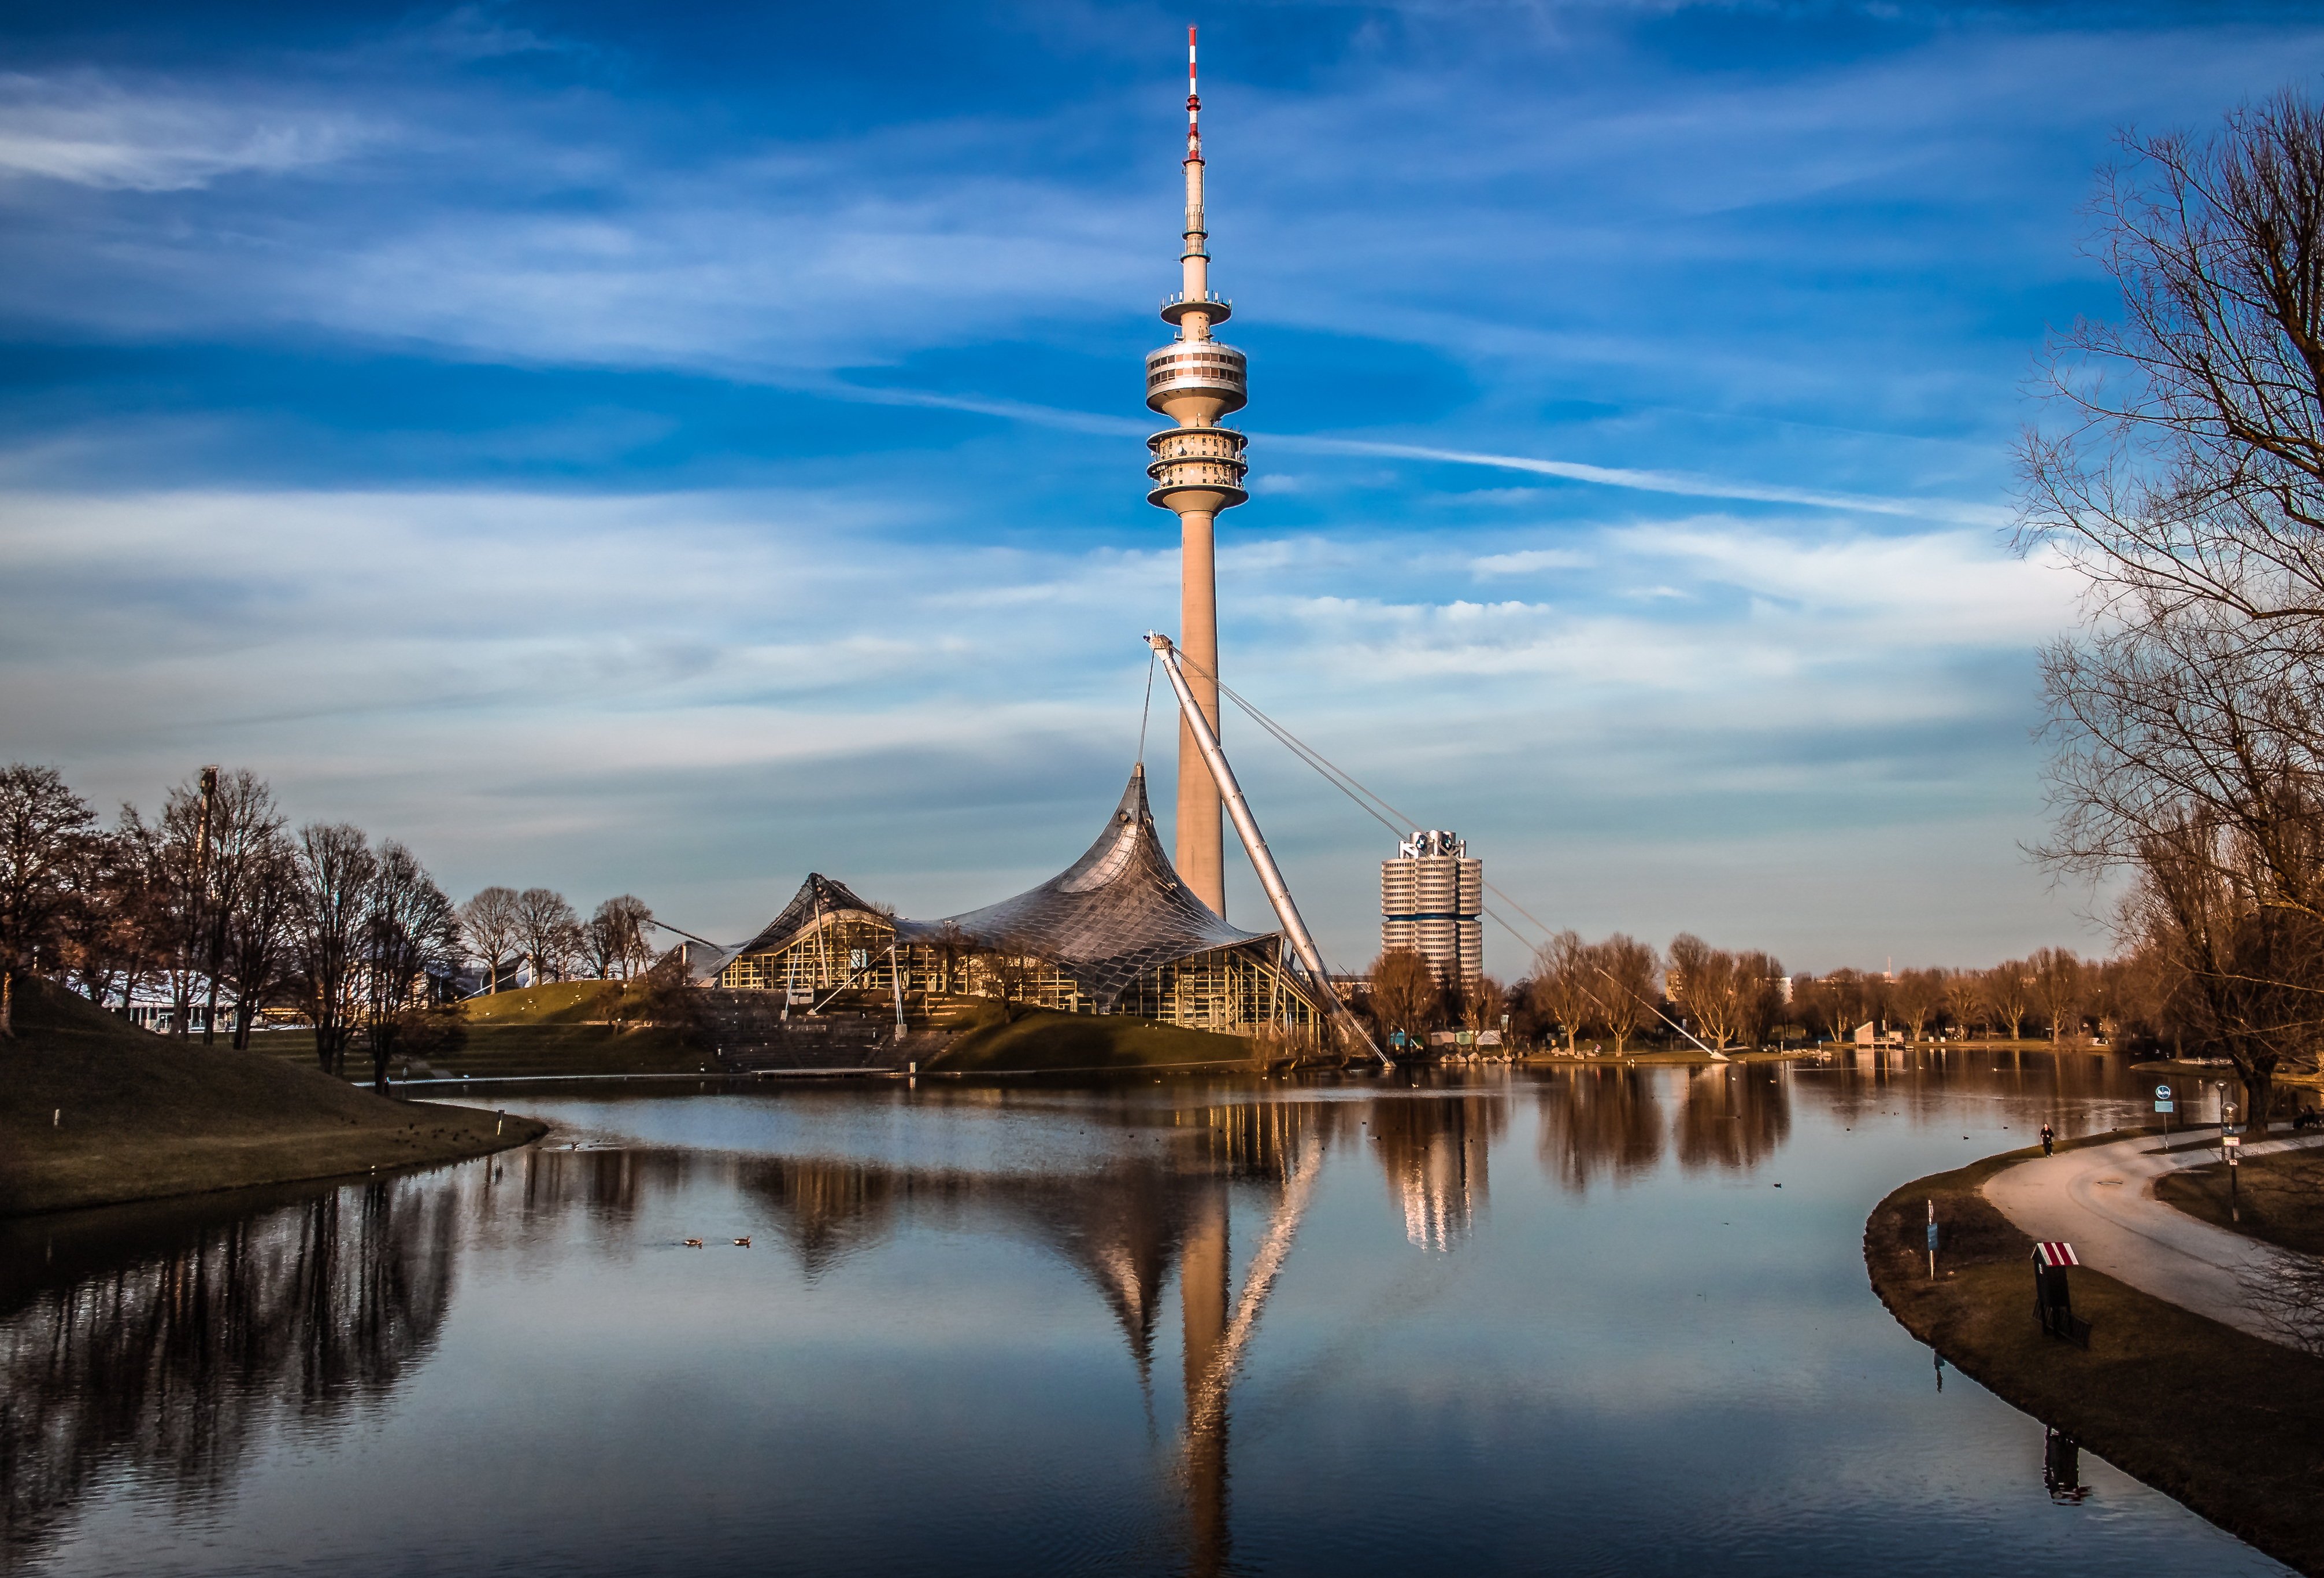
[{"x": 2049, "y": 1141}]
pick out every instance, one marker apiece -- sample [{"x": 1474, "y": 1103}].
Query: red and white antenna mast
[{"x": 1194, "y": 107}]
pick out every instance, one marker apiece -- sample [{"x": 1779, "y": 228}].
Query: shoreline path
[{"x": 2102, "y": 1200}]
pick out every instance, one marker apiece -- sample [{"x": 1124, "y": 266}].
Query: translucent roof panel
[
  {"x": 1107, "y": 918},
  {"x": 818, "y": 896}
]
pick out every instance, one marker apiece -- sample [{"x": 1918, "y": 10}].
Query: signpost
[
  {"x": 2235, "y": 1148},
  {"x": 2165, "y": 1105}
]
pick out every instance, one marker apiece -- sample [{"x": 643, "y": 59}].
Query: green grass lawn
[
  {"x": 566, "y": 1027},
  {"x": 93, "y": 1111},
  {"x": 1040, "y": 1039}
]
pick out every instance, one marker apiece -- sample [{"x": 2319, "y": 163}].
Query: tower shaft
[
  {"x": 1197, "y": 469},
  {"x": 1201, "y": 852}
]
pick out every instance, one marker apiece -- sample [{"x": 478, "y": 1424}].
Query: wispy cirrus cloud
[{"x": 87, "y": 128}]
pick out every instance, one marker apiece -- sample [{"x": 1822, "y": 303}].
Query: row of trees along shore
[
  {"x": 1623, "y": 989},
  {"x": 216, "y": 901}
]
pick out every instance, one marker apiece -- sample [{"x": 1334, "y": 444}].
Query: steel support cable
[
  {"x": 1146, "y": 707},
  {"x": 1347, "y": 784}
]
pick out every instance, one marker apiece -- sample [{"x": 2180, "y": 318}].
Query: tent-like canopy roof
[
  {"x": 818, "y": 898},
  {"x": 1107, "y": 918}
]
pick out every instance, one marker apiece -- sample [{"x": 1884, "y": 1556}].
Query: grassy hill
[
  {"x": 95, "y": 1111},
  {"x": 1040, "y": 1038},
  {"x": 569, "y": 1026}
]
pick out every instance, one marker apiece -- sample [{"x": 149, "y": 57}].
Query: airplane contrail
[
  {"x": 1663, "y": 482},
  {"x": 1687, "y": 484}
]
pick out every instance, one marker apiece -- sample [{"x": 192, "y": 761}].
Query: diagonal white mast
[{"x": 1278, "y": 893}]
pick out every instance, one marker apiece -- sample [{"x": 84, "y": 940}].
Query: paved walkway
[{"x": 2102, "y": 1201}]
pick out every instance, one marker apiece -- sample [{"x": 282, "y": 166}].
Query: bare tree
[
  {"x": 1915, "y": 997},
  {"x": 1563, "y": 979},
  {"x": 1625, "y": 969},
  {"x": 410, "y": 931},
  {"x": 1964, "y": 995},
  {"x": 93, "y": 937},
  {"x": 2286, "y": 1292},
  {"x": 141, "y": 897},
  {"x": 490, "y": 925},
  {"x": 258, "y": 962},
  {"x": 1481, "y": 1004},
  {"x": 2058, "y": 991},
  {"x": 2243, "y": 976},
  {"x": 1011, "y": 968},
  {"x": 2010, "y": 993},
  {"x": 1835, "y": 1003},
  {"x": 549, "y": 931},
  {"x": 2187, "y": 488},
  {"x": 949, "y": 945},
  {"x": 234, "y": 830},
  {"x": 614, "y": 938},
  {"x": 41, "y": 822},
  {"x": 336, "y": 869},
  {"x": 1704, "y": 982},
  {"x": 1758, "y": 988},
  {"x": 1405, "y": 991}
]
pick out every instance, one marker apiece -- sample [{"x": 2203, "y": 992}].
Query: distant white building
[{"x": 1433, "y": 903}]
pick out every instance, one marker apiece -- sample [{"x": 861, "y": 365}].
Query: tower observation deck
[{"x": 1197, "y": 470}]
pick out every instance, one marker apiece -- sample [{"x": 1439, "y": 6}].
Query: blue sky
[{"x": 668, "y": 449}]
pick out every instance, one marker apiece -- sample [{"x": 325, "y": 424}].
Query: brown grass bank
[
  {"x": 2222, "y": 1422},
  {"x": 2280, "y": 1199},
  {"x": 95, "y": 1111}
]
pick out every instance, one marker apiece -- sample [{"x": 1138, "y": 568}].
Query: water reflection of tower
[
  {"x": 1197, "y": 471},
  {"x": 1434, "y": 1153}
]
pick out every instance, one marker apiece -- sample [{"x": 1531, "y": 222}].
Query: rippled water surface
[{"x": 1555, "y": 1322}]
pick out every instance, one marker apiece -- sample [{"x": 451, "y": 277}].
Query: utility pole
[{"x": 198, "y": 932}]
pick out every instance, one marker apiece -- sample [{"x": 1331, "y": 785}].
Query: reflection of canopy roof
[{"x": 1109, "y": 918}]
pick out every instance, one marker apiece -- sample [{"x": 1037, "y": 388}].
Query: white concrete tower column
[{"x": 1197, "y": 471}]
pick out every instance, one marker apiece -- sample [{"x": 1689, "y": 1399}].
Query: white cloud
[
  {"x": 1531, "y": 561},
  {"x": 705, "y": 695},
  {"x": 88, "y": 129}
]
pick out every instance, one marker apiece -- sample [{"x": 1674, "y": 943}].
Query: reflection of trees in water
[
  {"x": 1599, "y": 1123},
  {"x": 174, "y": 1364},
  {"x": 1733, "y": 1116},
  {"x": 1921, "y": 1081},
  {"x": 1434, "y": 1152}
]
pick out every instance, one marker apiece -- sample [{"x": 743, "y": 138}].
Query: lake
[{"x": 1575, "y": 1320}]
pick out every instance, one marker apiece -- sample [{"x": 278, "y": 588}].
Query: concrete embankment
[
  {"x": 94, "y": 1111},
  {"x": 2225, "y": 1422}
]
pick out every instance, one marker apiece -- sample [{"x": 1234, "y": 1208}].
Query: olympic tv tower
[{"x": 1197, "y": 471}]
